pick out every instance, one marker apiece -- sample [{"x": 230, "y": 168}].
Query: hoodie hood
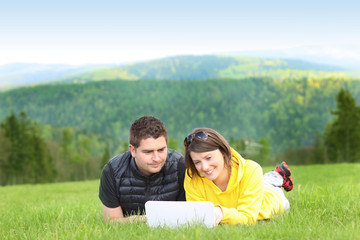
[{"x": 237, "y": 170}]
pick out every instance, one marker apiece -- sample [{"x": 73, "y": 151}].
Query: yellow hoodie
[{"x": 245, "y": 199}]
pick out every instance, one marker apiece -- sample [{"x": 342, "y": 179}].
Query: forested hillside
[
  {"x": 288, "y": 113},
  {"x": 213, "y": 66}
]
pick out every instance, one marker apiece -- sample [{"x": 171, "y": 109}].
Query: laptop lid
[{"x": 175, "y": 213}]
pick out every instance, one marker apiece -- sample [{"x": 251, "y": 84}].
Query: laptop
[{"x": 176, "y": 213}]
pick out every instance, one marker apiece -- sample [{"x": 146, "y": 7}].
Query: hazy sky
[{"x": 103, "y": 31}]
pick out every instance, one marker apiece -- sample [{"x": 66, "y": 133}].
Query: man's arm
[
  {"x": 112, "y": 211},
  {"x": 116, "y": 215},
  {"x": 111, "y": 214}
]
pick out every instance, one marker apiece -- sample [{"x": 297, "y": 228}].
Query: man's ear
[{"x": 132, "y": 150}]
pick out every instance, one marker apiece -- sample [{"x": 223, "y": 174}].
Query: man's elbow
[{"x": 112, "y": 214}]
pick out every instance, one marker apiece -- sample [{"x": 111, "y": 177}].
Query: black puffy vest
[{"x": 134, "y": 189}]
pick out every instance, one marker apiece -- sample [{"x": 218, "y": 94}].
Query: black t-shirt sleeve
[
  {"x": 107, "y": 188},
  {"x": 181, "y": 177}
]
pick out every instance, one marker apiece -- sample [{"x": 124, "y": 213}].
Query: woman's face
[{"x": 209, "y": 164}]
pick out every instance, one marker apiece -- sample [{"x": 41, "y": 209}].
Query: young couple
[{"x": 214, "y": 172}]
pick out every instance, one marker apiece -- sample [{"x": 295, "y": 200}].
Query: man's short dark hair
[{"x": 146, "y": 127}]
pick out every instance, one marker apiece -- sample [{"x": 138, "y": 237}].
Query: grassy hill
[
  {"x": 214, "y": 67},
  {"x": 324, "y": 205}
]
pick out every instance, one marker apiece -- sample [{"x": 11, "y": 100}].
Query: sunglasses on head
[{"x": 202, "y": 135}]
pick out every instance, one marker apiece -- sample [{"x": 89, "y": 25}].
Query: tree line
[
  {"x": 287, "y": 113},
  {"x": 33, "y": 153}
]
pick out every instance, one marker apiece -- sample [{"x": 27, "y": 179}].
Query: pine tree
[
  {"x": 5, "y": 147},
  {"x": 15, "y": 161},
  {"x": 342, "y": 136},
  {"x": 43, "y": 167},
  {"x": 28, "y": 159}
]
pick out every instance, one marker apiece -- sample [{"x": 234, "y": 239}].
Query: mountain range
[
  {"x": 14, "y": 75},
  {"x": 309, "y": 62},
  {"x": 344, "y": 56}
]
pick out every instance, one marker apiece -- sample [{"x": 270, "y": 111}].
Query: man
[{"x": 148, "y": 171}]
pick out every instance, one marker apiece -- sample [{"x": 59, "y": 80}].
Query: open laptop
[{"x": 176, "y": 213}]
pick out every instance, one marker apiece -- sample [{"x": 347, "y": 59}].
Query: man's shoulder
[
  {"x": 173, "y": 155},
  {"x": 174, "y": 161},
  {"x": 120, "y": 162}
]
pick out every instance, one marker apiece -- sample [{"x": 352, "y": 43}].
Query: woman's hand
[{"x": 218, "y": 215}]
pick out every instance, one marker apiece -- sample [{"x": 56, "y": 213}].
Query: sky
[{"x": 101, "y": 32}]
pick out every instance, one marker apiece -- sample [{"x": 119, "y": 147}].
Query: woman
[{"x": 237, "y": 188}]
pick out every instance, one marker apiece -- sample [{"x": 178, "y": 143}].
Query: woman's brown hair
[{"x": 205, "y": 140}]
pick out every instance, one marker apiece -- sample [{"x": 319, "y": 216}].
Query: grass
[{"x": 325, "y": 204}]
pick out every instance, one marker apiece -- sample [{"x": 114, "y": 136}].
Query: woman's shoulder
[
  {"x": 252, "y": 166},
  {"x": 252, "y": 163}
]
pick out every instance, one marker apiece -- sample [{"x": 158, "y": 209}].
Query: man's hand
[
  {"x": 135, "y": 218},
  {"x": 218, "y": 215},
  {"x": 116, "y": 215}
]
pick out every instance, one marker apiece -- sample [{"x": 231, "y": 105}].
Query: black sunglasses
[{"x": 202, "y": 135}]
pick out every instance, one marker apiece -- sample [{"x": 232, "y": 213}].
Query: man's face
[{"x": 150, "y": 156}]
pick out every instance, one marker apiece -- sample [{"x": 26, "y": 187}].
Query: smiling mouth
[{"x": 210, "y": 172}]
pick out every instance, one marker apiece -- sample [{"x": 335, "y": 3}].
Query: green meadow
[{"x": 325, "y": 204}]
